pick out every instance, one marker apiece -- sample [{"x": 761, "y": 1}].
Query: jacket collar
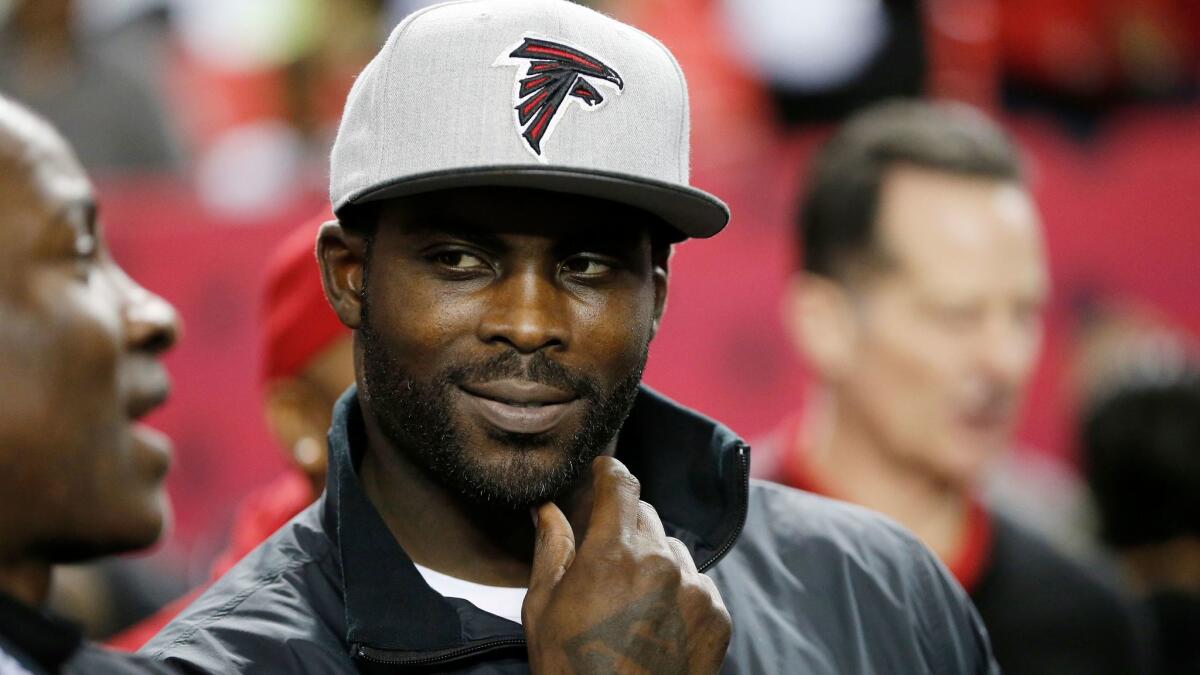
[
  {"x": 693, "y": 470},
  {"x": 44, "y": 639}
]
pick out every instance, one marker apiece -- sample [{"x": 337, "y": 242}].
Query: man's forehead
[{"x": 924, "y": 211}]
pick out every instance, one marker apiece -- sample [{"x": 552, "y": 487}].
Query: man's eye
[
  {"x": 585, "y": 266},
  {"x": 459, "y": 260},
  {"x": 84, "y": 259}
]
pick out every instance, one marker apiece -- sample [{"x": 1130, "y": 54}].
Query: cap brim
[{"x": 694, "y": 213}]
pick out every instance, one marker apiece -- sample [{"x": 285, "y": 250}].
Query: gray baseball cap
[{"x": 540, "y": 94}]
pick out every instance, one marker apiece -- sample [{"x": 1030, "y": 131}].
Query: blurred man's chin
[
  {"x": 70, "y": 550},
  {"x": 963, "y": 465},
  {"x": 139, "y": 529}
]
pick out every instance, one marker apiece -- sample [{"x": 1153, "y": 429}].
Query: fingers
[
  {"x": 683, "y": 557},
  {"x": 615, "y": 503},
  {"x": 711, "y": 587},
  {"x": 687, "y": 564},
  {"x": 649, "y": 522},
  {"x": 553, "y": 552}
]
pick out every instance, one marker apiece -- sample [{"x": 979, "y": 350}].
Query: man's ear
[
  {"x": 819, "y": 316},
  {"x": 292, "y": 408},
  {"x": 660, "y": 270},
  {"x": 341, "y": 253}
]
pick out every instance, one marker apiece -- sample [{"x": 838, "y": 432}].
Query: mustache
[
  {"x": 992, "y": 399},
  {"x": 538, "y": 368}
]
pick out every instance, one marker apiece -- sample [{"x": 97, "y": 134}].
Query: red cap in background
[{"x": 297, "y": 321}]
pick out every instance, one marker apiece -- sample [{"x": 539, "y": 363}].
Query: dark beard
[{"x": 416, "y": 417}]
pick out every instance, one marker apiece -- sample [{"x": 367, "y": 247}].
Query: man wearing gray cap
[{"x": 508, "y": 179}]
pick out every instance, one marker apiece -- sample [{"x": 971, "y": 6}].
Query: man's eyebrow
[{"x": 475, "y": 235}]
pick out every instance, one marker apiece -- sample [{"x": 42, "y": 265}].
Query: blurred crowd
[
  {"x": 946, "y": 343},
  {"x": 245, "y": 97}
]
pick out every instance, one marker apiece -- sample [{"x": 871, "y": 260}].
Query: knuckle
[
  {"x": 557, "y": 541},
  {"x": 715, "y": 617},
  {"x": 721, "y": 627},
  {"x": 662, "y": 565},
  {"x": 615, "y": 476},
  {"x": 621, "y": 555}
]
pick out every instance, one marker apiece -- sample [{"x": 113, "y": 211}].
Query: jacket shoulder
[
  {"x": 278, "y": 610},
  {"x": 797, "y": 522},
  {"x": 863, "y": 588}
]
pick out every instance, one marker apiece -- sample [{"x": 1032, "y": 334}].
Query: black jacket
[
  {"x": 38, "y": 643},
  {"x": 813, "y": 586},
  {"x": 1049, "y": 615}
]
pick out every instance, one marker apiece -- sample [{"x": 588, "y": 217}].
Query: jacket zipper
[
  {"x": 389, "y": 657},
  {"x": 743, "y": 508}
]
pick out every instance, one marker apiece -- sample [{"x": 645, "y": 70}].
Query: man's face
[
  {"x": 504, "y": 333},
  {"x": 949, "y": 328},
  {"x": 79, "y": 342}
]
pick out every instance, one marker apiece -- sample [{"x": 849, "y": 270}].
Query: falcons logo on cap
[{"x": 554, "y": 74}]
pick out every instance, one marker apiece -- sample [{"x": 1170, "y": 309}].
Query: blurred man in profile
[
  {"x": 918, "y": 306},
  {"x": 80, "y": 343},
  {"x": 307, "y": 362}
]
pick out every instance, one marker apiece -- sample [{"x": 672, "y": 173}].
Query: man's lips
[
  {"x": 147, "y": 387},
  {"x": 154, "y": 448},
  {"x": 519, "y": 406},
  {"x": 142, "y": 402},
  {"x": 519, "y": 392},
  {"x": 988, "y": 420}
]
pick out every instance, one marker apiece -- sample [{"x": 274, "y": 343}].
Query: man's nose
[
  {"x": 151, "y": 323},
  {"x": 1010, "y": 349},
  {"x": 526, "y": 311}
]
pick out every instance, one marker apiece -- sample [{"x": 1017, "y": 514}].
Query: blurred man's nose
[
  {"x": 526, "y": 312},
  {"x": 152, "y": 325},
  {"x": 1009, "y": 348}
]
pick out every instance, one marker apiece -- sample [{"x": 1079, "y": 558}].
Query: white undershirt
[
  {"x": 9, "y": 665},
  {"x": 499, "y": 600}
]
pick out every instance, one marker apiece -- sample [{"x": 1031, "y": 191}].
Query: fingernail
[{"x": 534, "y": 514}]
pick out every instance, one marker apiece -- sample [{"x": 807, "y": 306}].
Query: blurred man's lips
[
  {"x": 987, "y": 420},
  {"x": 519, "y": 406},
  {"x": 154, "y": 446},
  {"x": 145, "y": 401}
]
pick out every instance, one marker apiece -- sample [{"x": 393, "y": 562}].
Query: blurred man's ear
[
  {"x": 819, "y": 319},
  {"x": 341, "y": 253}
]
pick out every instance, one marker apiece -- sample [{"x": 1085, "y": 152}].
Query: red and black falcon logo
[{"x": 554, "y": 74}]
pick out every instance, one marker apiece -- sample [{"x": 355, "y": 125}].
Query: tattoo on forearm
[{"x": 628, "y": 639}]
